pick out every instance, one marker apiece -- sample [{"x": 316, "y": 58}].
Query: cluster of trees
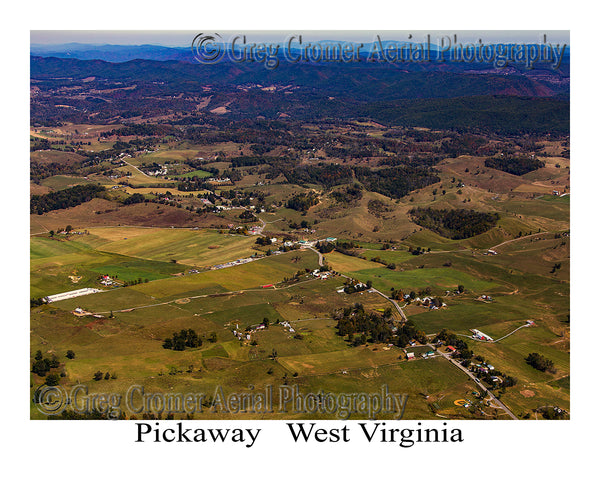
[
  {"x": 516, "y": 165},
  {"x": 462, "y": 145},
  {"x": 264, "y": 135},
  {"x": 38, "y": 171},
  {"x": 417, "y": 250},
  {"x": 556, "y": 267},
  {"x": 298, "y": 226},
  {"x": 396, "y": 182},
  {"x": 383, "y": 261},
  {"x": 377, "y": 208},
  {"x": 135, "y": 198},
  {"x": 325, "y": 246},
  {"x": 353, "y": 287},
  {"x": 361, "y": 326},
  {"x": 247, "y": 216},
  {"x": 407, "y": 332},
  {"x": 347, "y": 247},
  {"x": 349, "y": 194},
  {"x": 450, "y": 338},
  {"x": 475, "y": 111},
  {"x": 36, "y": 302},
  {"x": 263, "y": 241},
  {"x": 321, "y": 174},
  {"x": 182, "y": 340},
  {"x": 106, "y": 376},
  {"x": 128, "y": 283},
  {"x": 456, "y": 224},
  {"x": 302, "y": 201},
  {"x": 192, "y": 185},
  {"x": 541, "y": 363},
  {"x": 246, "y": 161},
  {"x": 41, "y": 365},
  {"x": 69, "y": 197}
]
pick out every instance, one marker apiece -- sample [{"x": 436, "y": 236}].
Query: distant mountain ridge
[
  {"x": 470, "y": 100},
  {"x": 125, "y": 53},
  {"x": 112, "y": 53}
]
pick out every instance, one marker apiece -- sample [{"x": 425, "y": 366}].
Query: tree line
[
  {"x": 456, "y": 224},
  {"x": 183, "y": 339},
  {"x": 69, "y": 197},
  {"x": 515, "y": 165}
]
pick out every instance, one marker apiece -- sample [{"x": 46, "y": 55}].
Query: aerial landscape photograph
[{"x": 280, "y": 225}]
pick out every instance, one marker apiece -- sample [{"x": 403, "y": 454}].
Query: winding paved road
[{"x": 476, "y": 380}]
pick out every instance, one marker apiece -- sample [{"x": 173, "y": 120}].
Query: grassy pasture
[
  {"x": 128, "y": 254},
  {"x": 195, "y": 173},
  {"x": 250, "y": 275},
  {"x": 50, "y": 274},
  {"x": 556, "y": 210},
  {"x": 439, "y": 279},
  {"x": 60, "y": 182},
  {"x": 345, "y": 263},
  {"x": 348, "y": 359},
  {"x": 393, "y": 256},
  {"x": 200, "y": 248},
  {"x": 433, "y": 377}
]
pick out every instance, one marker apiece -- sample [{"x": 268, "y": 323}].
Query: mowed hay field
[
  {"x": 265, "y": 271},
  {"x": 66, "y": 263},
  {"x": 190, "y": 247}
]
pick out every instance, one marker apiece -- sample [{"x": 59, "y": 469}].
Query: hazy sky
[{"x": 183, "y": 38}]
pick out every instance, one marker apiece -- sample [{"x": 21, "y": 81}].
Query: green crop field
[{"x": 195, "y": 173}]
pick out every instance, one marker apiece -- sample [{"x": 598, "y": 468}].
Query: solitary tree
[{"x": 70, "y": 354}]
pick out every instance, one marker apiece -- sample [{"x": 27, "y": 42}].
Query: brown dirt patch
[
  {"x": 100, "y": 212},
  {"x": 527, "y": 393},
  {"x": 35, "y": 189},
  {"x": 50, "y": 156}
]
